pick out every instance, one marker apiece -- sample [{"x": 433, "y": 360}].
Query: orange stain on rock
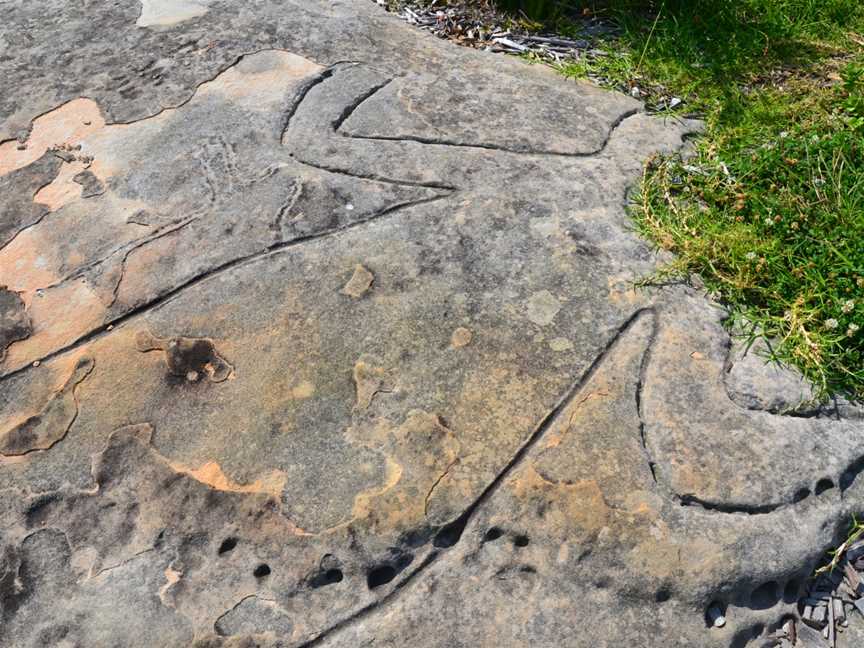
[
  {"x": 66, "y": 125},
  {"x": 364, "y": 503},
  {"x": 28, "y": 263},
  {"x": 417, "y": 455},
  {"x": 212, "y": 475},
  {"x": 369, "y": 380},
  {"x": 171, "y": 578},
  {"x": 578, "y": 505},
  {"x": 461, "y": 337},
  {"x": 63, "y": 189},
  {"x": 60, "y": 317}
]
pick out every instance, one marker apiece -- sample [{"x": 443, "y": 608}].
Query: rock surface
[{"x": 319, "y": 331}]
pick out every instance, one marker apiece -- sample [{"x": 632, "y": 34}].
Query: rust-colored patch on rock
[
  {"x": 369, "y": 380},
  {"x": 502, "y": 398},
  {"x": 461, "y": 337},
  {"x": 41, "y": 431},
  {"x": 172, "y": 577},
  {"x": 364, "y": 503},
  {"x": 63, "y": 189},
  {"x": 359, "y": 284},
  {"x": 212, "y": 475},
  {"x": 578, "y": 507},
  {"x": 419, "y": 453},
  {"x": 28, "y": 262},
  {"x": 65, "y": 125},
  {"x": 60, "y": 316}
]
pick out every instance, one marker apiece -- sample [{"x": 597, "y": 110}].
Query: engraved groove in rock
[
  {"x": 354, "y": 105},
  {"x": 716, "y": 396},
  {"x": 450, "y": 534},
  {"x": 228, "y": 265},
  {"x": 356, "y": 102},
  {"x": 303, "y": 501},
  {"x": 372, "y": 176},
  {"x": 43, "y": 430},
  {"x": 492, "y": 147}
]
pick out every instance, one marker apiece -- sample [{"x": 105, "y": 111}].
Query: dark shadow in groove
[
  {"x": 365, "y": 611},
  {"x": 428, "y": 141},
  {"x": 724, "y": 507},
  {"x": 640, "y": 385},
  {"x": 824, "y": 485},
  {"x": 300, "y": 96},
  {"x": 371, "y": 176},
  {"x": 227, "y": 545},
  {"x": 351, "y": 108}
]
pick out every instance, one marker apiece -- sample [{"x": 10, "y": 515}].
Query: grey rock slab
[
  {"x": 215, "y": 162},
  {"x": 162, "y": 13},
  {"x": 19, "y": 210},
  {"x": 14, "y": 322},
  {"x": 471, "y": 109},
  {"x": 760, "y": 461},
  {"x": 594, "y": 541},
  {"x": 320, "y": 331},
  {"x": 759, "y": 384}
]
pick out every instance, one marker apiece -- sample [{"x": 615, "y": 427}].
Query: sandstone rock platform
[{"x": 318, "y": 331}]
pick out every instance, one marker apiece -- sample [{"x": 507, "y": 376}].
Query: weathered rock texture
[{"x": 319, "y": 331}]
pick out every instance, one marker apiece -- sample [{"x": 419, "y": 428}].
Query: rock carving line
[
  {"x": 450, "y": 534},
  {"x": 47, "y": 428},
  {"x": 849, "y": 474},
  {"x": 228, "y": 265},
  {"x": 358, "y": 101}
]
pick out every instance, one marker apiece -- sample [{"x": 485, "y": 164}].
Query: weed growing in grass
[{"x": 853, "y": 102}]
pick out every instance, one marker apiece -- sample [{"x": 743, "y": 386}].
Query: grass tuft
[{"x": 770, "y": 209}]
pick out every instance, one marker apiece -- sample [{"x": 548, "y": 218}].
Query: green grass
[
  {"x": 534, "y": 9},
  {"x": 770, "y": 210}
]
